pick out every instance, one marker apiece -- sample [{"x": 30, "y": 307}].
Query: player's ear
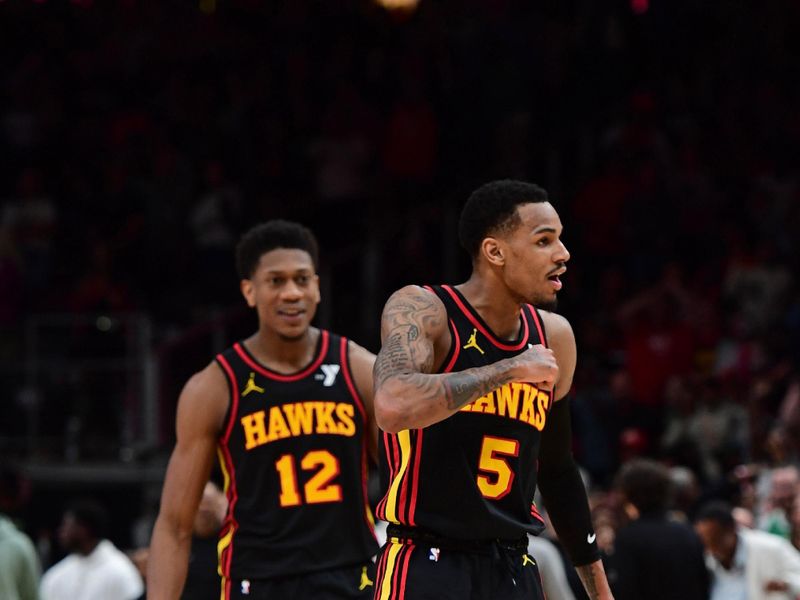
[
  {"x": 248, "y": 291},
  {"x": 493, "y": 251},
  {"x": 317, "y": 293}
]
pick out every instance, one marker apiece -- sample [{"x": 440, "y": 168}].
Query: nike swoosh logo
[{"x": 591, "y": 537}]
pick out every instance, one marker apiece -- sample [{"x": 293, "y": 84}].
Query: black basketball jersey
[
  {"x": 472, "y": 475},
  {"x": 294, "y": 458}
]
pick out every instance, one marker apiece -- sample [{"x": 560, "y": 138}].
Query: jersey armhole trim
[
  {"x": 230, "y": 525},
  {"x": 455, "y": 348},
  {"x": 344, "y": 357},
  {"x": 539, "y": 322},
  {"x": 233, "y": 400},
  {"x": 455, "y": 342}
]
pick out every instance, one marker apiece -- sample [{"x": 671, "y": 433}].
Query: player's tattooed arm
[
  {"x": 407, "y": 394},
  {"x": 594, "y": 581}
]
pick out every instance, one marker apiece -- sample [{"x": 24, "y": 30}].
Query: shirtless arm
[
  {"x": 559, "y": 479},
  {"x": 362, "y": 362},
  {"x": 407, "y": 394},
  {"x": 201, "y": 410}
]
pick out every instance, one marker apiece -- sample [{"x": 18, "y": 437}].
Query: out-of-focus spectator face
[
  {"x": 785, "y": 487},
  {"x": 720, "y": 541},
  {"x": 777, "y": 445},
  {"x": 746, "y": 478},
  {"x": 633, "y": 442},
  {"x": 71, "y": 532},
  {"x": 686, "y": 487},
  {"x": 743, "y": 517},
  {"x": 605, "y": 526}
]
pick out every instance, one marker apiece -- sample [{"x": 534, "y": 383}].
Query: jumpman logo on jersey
[
  {"x": 472, "y": 342},
  {"x": 527, "y": 560},
  {"x": 365, "y": 580},
  {"x": 251, "y": 386}
]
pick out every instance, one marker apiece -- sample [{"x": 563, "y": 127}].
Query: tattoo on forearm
[
  {"x": 465, "y": 386},
  {"x": 588, "y": 577}
]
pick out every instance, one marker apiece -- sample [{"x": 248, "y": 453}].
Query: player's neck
[
  {"x": 86, "y": 547},
  {"x": 282, "y": 354},
  {"x": 499, "y": 310}
]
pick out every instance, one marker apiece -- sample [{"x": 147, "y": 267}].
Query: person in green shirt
[{"x": 20, "y": 569}]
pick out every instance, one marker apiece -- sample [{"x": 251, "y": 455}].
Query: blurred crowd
[{"x": 139, "y": 139}]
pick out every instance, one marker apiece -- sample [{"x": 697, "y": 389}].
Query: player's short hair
[
  {"x": 646, "y": 484},
  {"x": 91, "y": 515},
  {"x": 717, "y": 511},
  {"x": 492, "y": 209},
  {"x": 272, "y": 235}
]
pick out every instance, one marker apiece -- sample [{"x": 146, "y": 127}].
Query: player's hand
[{"x": 537, "y": 365}]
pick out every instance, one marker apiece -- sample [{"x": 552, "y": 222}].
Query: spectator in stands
[
  {"x": 746, "y": 563},
  {"x": 95, "y": 569},
  {"x": 775, "y": 516},
  {"x": 795, "y": 521},
  {"x": 19, "y": 564},
  {"x": 654, "y": 556}
]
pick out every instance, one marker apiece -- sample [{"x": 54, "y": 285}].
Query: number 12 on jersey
[
  {"x": 496, "y": 476},
  {"x": 319, "y": 488}
]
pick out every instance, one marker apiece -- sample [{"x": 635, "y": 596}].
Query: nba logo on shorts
[
  {"x": 245, "y": 587},
  {"x": 434, "y": 556}
]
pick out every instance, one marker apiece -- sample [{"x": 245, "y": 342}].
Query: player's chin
[
  {"x": 292, "y": 333},
  {"x": 551, "y": 305},
  {"x": 547, "y": 302}
]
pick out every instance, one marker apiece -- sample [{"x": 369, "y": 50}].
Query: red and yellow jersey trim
[
  {"x": 393, "y": 570},
  {"x": 348, "y": 377},
  {"x": 230, "y": 525},
  {"x": 403, "y": 454}
]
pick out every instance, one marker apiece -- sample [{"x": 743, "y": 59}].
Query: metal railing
[{"x": 82, "y": 389}]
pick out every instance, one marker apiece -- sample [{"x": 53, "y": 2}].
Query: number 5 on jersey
[
  {"x": 496, "y": 475},
  {"x": 319, "y": 488}
]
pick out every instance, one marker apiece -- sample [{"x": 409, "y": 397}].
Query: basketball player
[
  {"x": 288, "y": 413},
  {"x": 469, "y": 390}
]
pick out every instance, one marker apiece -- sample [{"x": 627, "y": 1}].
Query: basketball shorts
[
  {"x": 347, "y": 583},
  {"x": 411, "y": 568}
]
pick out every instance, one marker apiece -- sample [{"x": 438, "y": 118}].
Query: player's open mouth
[
  {"x": 291, "y": 314},
  {"x": 554, "y": 278}
]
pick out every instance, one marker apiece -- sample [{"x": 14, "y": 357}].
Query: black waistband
[{"x": 422, "y": 536}]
